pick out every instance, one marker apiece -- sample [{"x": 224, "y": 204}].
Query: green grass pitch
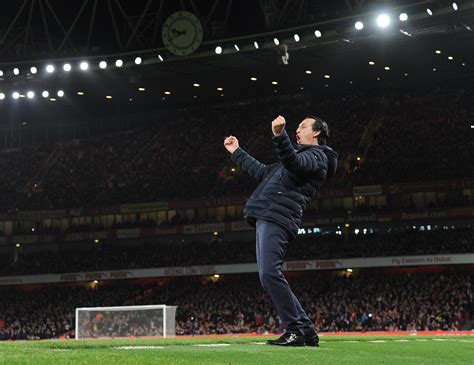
[{"x": 404, "y": 350}]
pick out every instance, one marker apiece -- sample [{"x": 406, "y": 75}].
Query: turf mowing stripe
[
  {"x": 138, "y": 348},
  {"x": 212, "y": 344}
]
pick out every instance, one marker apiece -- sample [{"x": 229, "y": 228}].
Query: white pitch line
[{"x": 377, "y": 341}]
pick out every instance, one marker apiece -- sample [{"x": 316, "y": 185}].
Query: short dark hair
[{"x": 320, "y": 125}]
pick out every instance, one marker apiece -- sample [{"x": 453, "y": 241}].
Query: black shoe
[
  {"x": 288, "y": 339},
  {"x": 311, "y": 339}
]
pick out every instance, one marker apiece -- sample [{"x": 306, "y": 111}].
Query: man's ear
[{"x": 316, "y": 134}]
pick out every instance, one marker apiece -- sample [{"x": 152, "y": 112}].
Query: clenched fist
[
  {"x": 278, "y": 125},
  {"x": 231, "y": 144}
]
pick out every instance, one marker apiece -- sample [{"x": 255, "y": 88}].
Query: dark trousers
[{"x": 272, "y": 240}]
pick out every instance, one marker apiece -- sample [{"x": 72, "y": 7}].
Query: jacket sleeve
[
  {"x": 310, "y": 162},
  {"x": 250, "y": 165}
]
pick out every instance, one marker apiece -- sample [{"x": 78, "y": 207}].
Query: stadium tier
[
  {"x": 142, "y": 165},
  {"x": 372, "y": 300}
]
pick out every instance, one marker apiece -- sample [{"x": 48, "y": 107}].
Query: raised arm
[{"x": 250, "y": 165}]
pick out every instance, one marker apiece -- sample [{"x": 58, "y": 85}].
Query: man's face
[{"x": 305, "y": 133}]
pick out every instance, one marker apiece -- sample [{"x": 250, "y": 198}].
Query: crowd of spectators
[
  {"x": 422, "y": 136},
  {"x": 159, "y": 253},
  {"x": 367, "y": 301}
]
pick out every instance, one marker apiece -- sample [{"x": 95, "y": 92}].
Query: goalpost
[{"x": 126, "y": 321}]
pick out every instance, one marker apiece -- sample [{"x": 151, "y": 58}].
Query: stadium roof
[{"x": 403, "y": 55}]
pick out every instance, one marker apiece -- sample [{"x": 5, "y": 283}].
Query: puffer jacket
[{"x": 286, "y": 187}]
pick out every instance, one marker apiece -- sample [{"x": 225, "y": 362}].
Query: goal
[{"x": 126, "y": 321}]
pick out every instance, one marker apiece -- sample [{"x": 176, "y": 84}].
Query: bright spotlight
[
  {"x": 255, "y": 44},
  {"x": 438, "y": 51},
  {"x": 16, "y": 71},
  {"x": 1, "y": 72},
  {"x": 33, "y": 70},
  {"x": 455, "y": 7},
  {"x": 429, "y": 11},
  {"x": 308, "y": 72},
  {"x": 359, "y": 25},
  {"x": 218, "y": 50},
  {"x": 296, "y": 38},
  {"x": 160, "y": 58},
  {"x": 15, "y": 95},
  {"x": 276, "y": 41},
  {"x": 60, "y": 93},
  {"x": 30, "y": 94},
  {"x": 2, "y": 96},
  {"x": 119, "y": 63},
  {"x": 383, "y": 20},
  {"x": 327, "y": 76},
  {"x": 102, "y": 65},
  {"x": 236, "y": 47},
  {"x": 138, "y": 60},
  {"x": 371, "y": 63},
  {"x": 67, "y": 67},
  {"x": 84, "y": 66},
  {"x": 45, "y": 94},
  {"x": 403, "y": 17},
  {"x": 318, "y": 34}
]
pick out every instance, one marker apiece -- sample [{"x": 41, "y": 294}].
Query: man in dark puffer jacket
[{"x": 276, "y": 210}]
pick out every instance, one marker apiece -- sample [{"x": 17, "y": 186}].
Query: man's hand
[
  {"x": 231, "y": 144},
  {"x": 278, "y": 125}
]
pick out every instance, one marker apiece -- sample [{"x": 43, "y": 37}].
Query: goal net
[{"x": 125, "y": 321}]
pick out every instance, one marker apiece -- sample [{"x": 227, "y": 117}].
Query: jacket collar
[{"x": 303, "y": 147}]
